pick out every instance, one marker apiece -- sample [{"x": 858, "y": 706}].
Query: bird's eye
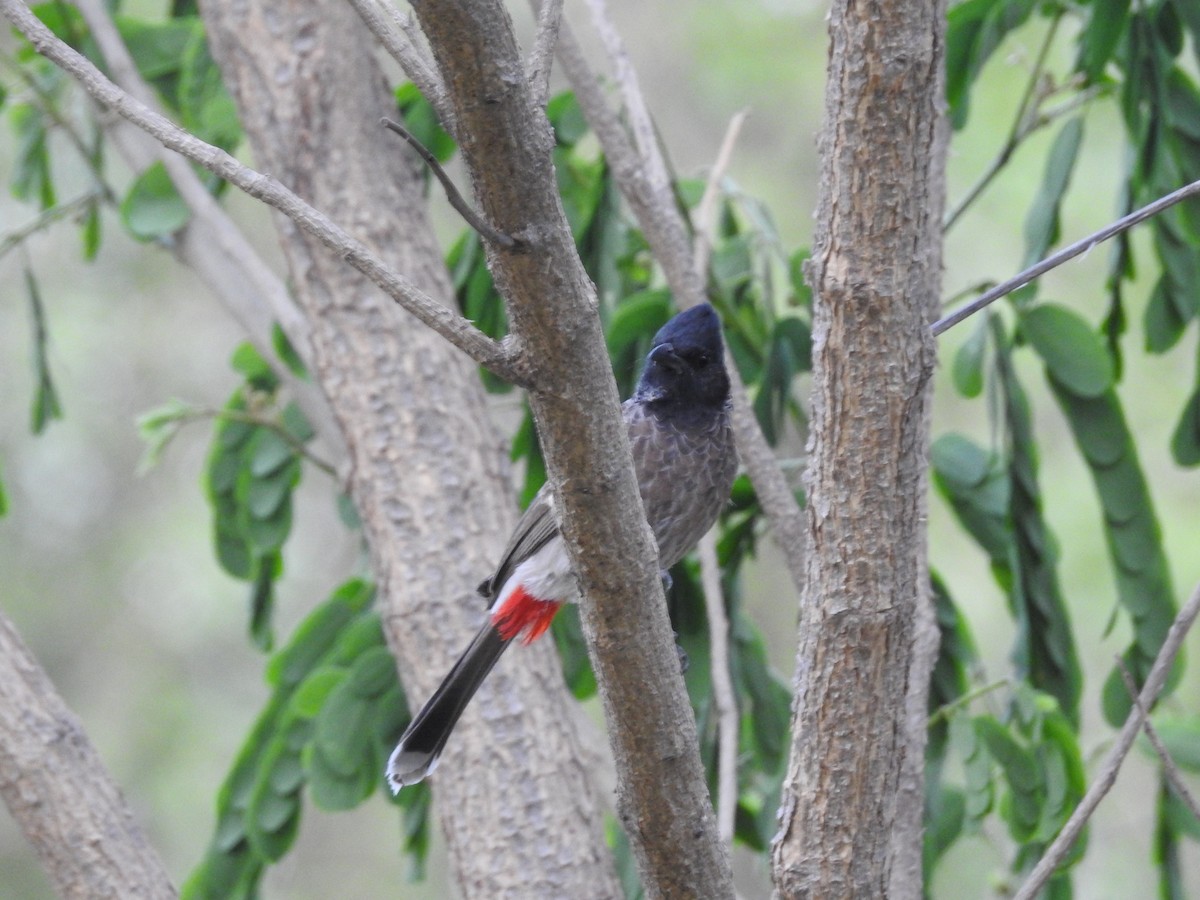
[{"x": 700, "y": 360}]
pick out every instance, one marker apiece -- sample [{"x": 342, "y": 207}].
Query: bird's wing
[{"x": 537, "y": 527}]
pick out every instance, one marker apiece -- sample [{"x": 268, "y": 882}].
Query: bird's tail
[{"x": 417, "y": 754}]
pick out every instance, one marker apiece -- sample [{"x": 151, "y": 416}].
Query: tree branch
[
  {"x": 211, "y": 244},
  {"x": 724, "y": 695},
  {"x": 666, "y": 231},
  {"x": 405, "y": 48},
  {"x": 541, "y": 58},
  {"x": 1107, "y": 776},
  {"x": 56, "y": 787},
  {"x": 507, "y": 146},
  {"x": 461, "y": 206},
  {"x": 500, "y": 358},
  {"x": 1170, "y": 767},
  {"x": 1067, "y": 253}
]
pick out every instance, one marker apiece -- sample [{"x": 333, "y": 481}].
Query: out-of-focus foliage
[{"x": 1012, "y": 763}]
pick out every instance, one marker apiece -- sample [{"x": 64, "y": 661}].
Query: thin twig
[
  {"x": 1024, "y": 124},
  {"x": 1061, "y": 846},
  {"x": 456, "y": 199},
  {"x": 48, "y": 217},
  {"x": 1057, "y": 259},
  {"x": 47, "y": 105},
  {"x": 541, "y": 57},
  {"x": 645, "y": 136},
  {"x": 724, "y": 696},
  {"x": 706, "y": 212},
  {"x": 395, "y": 32},
  {"x": 944, "y": 711},
  {"x": 1170, "y": 768},
  {"x": 499, "y": 357},
  {"x": 211, "y": 244}
]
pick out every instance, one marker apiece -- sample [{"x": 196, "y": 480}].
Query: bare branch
[
  {"x": 667, "y": 233},
  {"x": 541, "y": 58},
  {"x": 1174, "y": 776},
  {"x": 48, "y": 217},
  {"x": 1024, "y": 124},
  {"x": 724, "y": 696},
  {"x": 496, "y": 356},
  {"x": 640, "y": 122},
  {"x": 456, "y": 199},
  {"x": 211, "y": 243},
  {"x": 1107, "y": 776},
  {"x": 47, "y": 764},
  {"x": 706, "y": 212},
  {"x": 1067, "y": 253},
  {"x": 397, "y": 34}
]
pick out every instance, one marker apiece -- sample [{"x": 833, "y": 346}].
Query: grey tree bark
[
  {"x": 55, "y": 785},
  {"x": 429, "y": 477},
  {"x": 506, "y": 143},
  {"x": 864, "y": 650}
]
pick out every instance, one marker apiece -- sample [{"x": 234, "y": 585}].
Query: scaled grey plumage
[{"x": 684, "y": 457}]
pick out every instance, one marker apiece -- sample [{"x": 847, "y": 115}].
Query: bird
[{"x": 678, "y": 421}]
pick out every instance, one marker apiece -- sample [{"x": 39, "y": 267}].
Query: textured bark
[
  {"x": 429, "y": 479},
  {"x": 861, "y": 663},
  {"x": 56, "y": 787},
  {"x": 506, "y": 142}
]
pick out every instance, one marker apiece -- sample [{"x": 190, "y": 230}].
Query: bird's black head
[{"x": 685, "y": 371}]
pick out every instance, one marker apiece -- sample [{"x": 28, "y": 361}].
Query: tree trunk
[
  {"x": 862, "y": 664},
  {"x": 57, "y": 788},
  {"x": 429, "y": 477}
]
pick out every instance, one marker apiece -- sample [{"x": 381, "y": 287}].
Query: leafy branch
[{"x": 159, "y": 427}]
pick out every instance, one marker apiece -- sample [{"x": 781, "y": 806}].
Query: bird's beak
[{"x": 665, "y": 356}]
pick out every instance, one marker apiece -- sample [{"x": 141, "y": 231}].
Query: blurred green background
[{"x": 109, "y": 575}]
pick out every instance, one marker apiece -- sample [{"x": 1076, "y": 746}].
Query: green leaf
[
  {"x": 252, "y": 366},
  {"x": 565, "y": 114},
  {"x": 332, "y": 790},
  {"x": 31, "y": 176},
  {"x": 1072, "y": 351},
  {"x": 968, "y": 362},
  {"x": 286, "y": 352},
  {"x": 422, "y": 122},
  {"x": 1185, "y": 441},
  {"x": 374, "y": 674},
  {"x": 157, "y": 47},
  {"x": 46, "y": 405},
  {"x": 152, "y": 208},
  {"x": 205, "y": 106},
  {"x": 1107, "y": 21},
  {"x": 266, "y": 496},
  {"x": 1161, "y": 321},
  {"x": 309, "y": 698},
  {"x": 270, "y": 453},
  {"x": 1042, "y": 221}
]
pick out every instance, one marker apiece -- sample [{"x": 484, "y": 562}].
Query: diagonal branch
[
  {"x": 1107, "y": 776},
  {"x": 404, "y": 47},
  {"x": 498, "y": 357},
  {"x": 211, "y": 243},
  {"x": 92, "y": 849},
  {"x": 1083, "y": 245},
  {"x": 1170, "y": 767},
  {"x": 541, "y": 57}
]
